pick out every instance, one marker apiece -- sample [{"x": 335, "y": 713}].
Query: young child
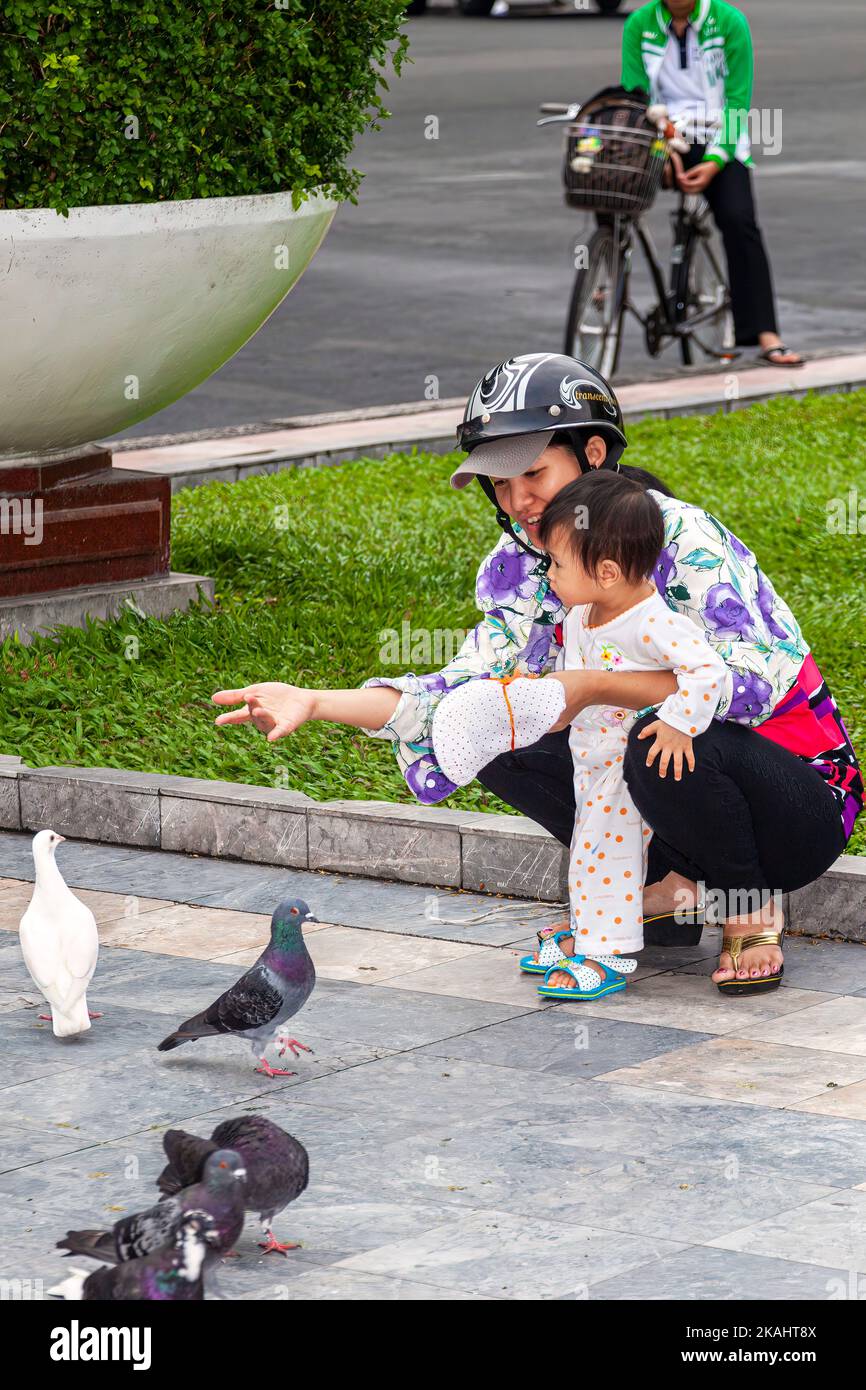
[{"x": 603, "y": 534}]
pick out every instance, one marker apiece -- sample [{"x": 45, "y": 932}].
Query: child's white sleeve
[{"x": 678, "y": 645}]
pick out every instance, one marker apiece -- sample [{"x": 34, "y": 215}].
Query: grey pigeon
[
  {"x": 174, "y": 1274},
  {"x": 270, "y": 993},
  {"x": 219, "y": 1194},
  {"x": 276, "y": 1164}
]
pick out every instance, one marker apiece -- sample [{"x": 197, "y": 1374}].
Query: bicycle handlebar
[{"x": 558, "y": 112}]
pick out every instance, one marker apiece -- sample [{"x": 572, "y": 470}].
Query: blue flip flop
[
  {"x": 612, "y": 983},
  {"x": 532, "y": 967}
]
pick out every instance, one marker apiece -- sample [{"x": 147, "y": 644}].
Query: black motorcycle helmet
[{"x": 516, "y": 408}]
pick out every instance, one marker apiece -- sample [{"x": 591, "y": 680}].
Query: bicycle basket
[{"x": 614, "y": 157}]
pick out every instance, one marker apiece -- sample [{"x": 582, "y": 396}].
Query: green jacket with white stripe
[{"x": 725, "y": 44}]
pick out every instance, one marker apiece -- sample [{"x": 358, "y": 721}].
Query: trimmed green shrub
[{"x": 103, "y": 101}]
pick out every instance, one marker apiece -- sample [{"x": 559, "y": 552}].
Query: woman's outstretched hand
[{"x": 274, "y": 708}]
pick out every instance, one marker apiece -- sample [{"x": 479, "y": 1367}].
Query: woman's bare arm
[{"x": 277, "y": 709}]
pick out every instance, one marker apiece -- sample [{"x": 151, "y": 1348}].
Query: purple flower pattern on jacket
[
  {"x": 536, "y": 653},
  {"x": 751, "y": 697},
  {"x": 427, "y": 782},
  {"x": 726, "y": 613},
  {"x": 766, "y": 602},
  {"x": 665, "y": 568},
  {"x": 505, "y": 576}
]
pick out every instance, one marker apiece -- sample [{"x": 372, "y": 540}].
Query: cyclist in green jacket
[{"x": 696, "y": 58}]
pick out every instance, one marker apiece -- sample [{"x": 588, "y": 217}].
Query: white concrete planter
[{"x": 111, "y": 313}]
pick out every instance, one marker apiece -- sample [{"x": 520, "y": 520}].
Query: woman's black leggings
[
  {"x": 733, "y": 205},
  {"x": 752, "y": 817}
]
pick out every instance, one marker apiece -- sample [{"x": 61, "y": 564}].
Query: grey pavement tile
[
  {"x": 785, "y": 1143},
  {"x": 615, "y": 1119},
  {"x": 144, "y": 1088},
  {"x": 559, "y": 1042},
  {"x": 837, "y": 1026},
  {"x": 334, "y": 1223},
  {"x": 30, "y": 1048},
  {"x": 21, "y": 1146},
  {"x": 506, "y": 1256},
  {"x": 685, "y": 1199},
  {"x": 519, "y": 1165},
  {"x": 345, "y": 1285},
  {"x": 492, "y": 1162},
  {"x": 393, "y": 1018},
  {"x": 751, "y": 1072},
  {"x": 417, "y": 1086},
  {"x": 429, "y": 1090},
  {"x": 706, "y": 1275},
  {"x": 830, "y": 1231}
]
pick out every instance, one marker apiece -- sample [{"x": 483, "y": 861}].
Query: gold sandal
[{"x": 735, "y": 945}]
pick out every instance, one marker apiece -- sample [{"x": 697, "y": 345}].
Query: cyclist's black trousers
[
  {"x": 752, "y": 815},
  {"x": 730, "y": 198}
]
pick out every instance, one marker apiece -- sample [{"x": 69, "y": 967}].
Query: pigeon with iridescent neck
[
  {"x": 276, "y": 1165},
  {"x": 218, "y": 1192},
  {"x": 171, "y": 1275},
  {"x": 270, "y": 993}
]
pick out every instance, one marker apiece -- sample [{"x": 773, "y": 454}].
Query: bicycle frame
[{"x": 661, "y": 319}]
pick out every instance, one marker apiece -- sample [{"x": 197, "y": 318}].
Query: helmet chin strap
[{"x": 505, "y": 520}]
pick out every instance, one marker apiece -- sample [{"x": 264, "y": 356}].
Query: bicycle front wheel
[
  {"x": 704, "y": 303},
  {"x": 595, "y": 313}
]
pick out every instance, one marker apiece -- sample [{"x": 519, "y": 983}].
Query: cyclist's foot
[{"x": 774, "y": 351}]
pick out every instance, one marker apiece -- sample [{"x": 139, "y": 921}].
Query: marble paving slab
[{"x": 467, "y": 1139}]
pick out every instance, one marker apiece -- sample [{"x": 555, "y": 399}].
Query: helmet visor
[{"x": 502, "y": 458}]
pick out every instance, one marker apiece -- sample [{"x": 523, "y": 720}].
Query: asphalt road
[{"x": 459, "y": 252}]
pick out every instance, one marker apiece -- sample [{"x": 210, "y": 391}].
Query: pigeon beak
[
  {"x": 61, "y": 839},
  {"x": 311, "y": 918}
]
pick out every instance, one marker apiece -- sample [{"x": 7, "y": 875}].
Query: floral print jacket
[{"x": 704, "y": 571}]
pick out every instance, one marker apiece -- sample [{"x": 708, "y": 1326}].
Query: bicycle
[{"x": 616, "y": 170}]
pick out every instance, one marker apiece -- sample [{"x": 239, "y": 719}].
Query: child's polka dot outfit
[
  {"x": 483, "y": 718},
  {"x": 608, "y": 857}
]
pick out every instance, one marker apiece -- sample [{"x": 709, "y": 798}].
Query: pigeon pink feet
[
  {"x": 272, "y": 1244},
  {"x": 267, "y": 1070},
  {"x": 289, "y": 1044},
  {"x": 48, "y": 1018}
]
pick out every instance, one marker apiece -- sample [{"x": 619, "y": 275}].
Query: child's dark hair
[
  {"x": 621, "y": 522},
  {"x": 564, "y": 439}
]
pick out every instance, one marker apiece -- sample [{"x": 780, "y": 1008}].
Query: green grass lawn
[{"x": 313, "y": 565}]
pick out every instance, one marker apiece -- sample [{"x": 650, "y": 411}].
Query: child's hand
[{"x": 671, "y": 744}]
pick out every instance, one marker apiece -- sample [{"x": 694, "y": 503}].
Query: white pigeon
[{"x": 59, "y": 941}]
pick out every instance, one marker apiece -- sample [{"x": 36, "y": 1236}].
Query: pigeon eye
[{"x": 294, "y": 912}]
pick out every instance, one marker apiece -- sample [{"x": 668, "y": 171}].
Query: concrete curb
[
  {"x": 157, "y": 597},
  {"x": 426, "y": 845},
  {"x": 319, "y": 441}
]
